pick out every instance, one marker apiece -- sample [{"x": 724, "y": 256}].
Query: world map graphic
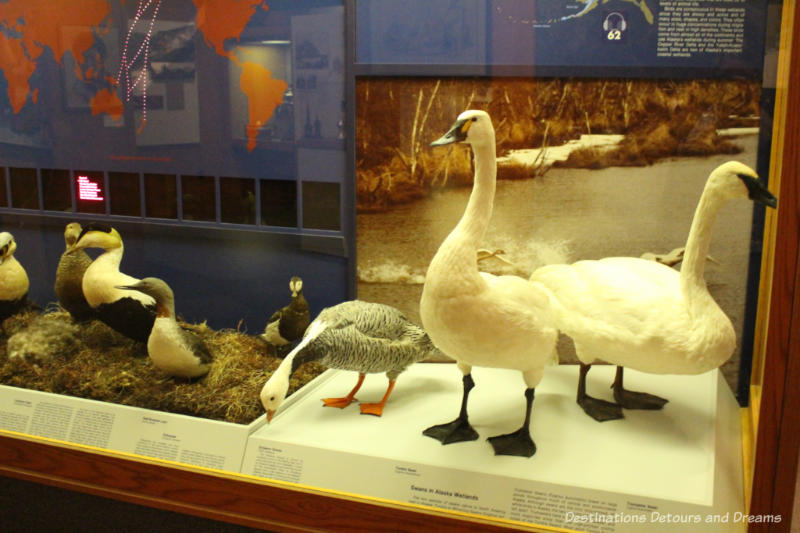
[{"x": 33, "y": 29}]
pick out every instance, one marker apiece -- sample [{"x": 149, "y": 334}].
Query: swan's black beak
[
  {"x": 457, "y": 133},
  {"x": 758, "y": 191}
]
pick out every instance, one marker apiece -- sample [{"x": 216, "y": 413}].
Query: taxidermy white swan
[
  {"x": 476, "y": 318},
  {"x": 641, "y": 314}
]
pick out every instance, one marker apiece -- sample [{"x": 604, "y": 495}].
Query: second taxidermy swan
[
  {"x": 476, "y": 318},
  {"x": 641, "y": 314}
]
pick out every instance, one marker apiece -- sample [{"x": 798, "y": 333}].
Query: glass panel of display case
[
  {"x": 124, "y": 193},
  {"x": 321, "y": 207},
  {"x": 90, "y": 191},
  {"x": 56, "y": 190},
  {"x": 199, "y": 198},
  {"x": 24, "y": 188},
  {"x": 278, "y": 203},
  {"x": 161, "y": 196},
  {"x": 237, "y": 200}
]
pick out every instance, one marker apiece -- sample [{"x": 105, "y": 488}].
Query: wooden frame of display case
[
  {"x": 774, "y": 412},
  {"x": 771, "y": 430}
]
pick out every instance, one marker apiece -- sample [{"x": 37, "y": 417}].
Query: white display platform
[
  {"x": 678, "y": 469},
  {"x": 180, "y": 438}
]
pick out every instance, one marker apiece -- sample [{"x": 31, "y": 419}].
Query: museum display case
[{"x": 234, "y": 146}]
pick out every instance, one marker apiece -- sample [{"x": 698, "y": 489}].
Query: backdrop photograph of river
[
  {"x": 564, "y": 216},
  {"x": 587, "y": 168}
]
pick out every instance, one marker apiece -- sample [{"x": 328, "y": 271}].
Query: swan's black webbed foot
[
  {"x": 638, "y": 400},
  {"x": 518, "y": 443},
  {"x": 458, "y": 430},
  {"x": 635, "y": 400},
  {"x": 600, "y": 410}
]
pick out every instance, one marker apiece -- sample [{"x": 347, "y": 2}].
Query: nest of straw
[{"x": 90, "y": 360}]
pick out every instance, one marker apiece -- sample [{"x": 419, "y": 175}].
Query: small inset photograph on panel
[
  {"x": 56, "y": 194},
  {"x": 24, "y": 188},
  {"x": 161, "y": 196},
  {"x": 237, "y": 200},
  {"x": 197, "y": 195},
  {"x": 90, "y": 191},
  {"x": 124, "y": 193},
  {"x": 279, "y": 203},
  {"x": 321, "y": 205}
]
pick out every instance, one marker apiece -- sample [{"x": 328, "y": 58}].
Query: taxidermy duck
[
  {"x": 641, "y": 314},
  {"x": 174, "y": 350},
  {"x": 480, "y": 319},
  {"x": 360, "y": 336},
  {"x": 14, "y": 281},
  {"x": 69, "y": 276},
  {"x": 288, "y": 324},
  {"x": 129, "y": 312}
]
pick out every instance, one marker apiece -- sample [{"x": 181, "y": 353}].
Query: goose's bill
[
  {"x": 270, "y": 414},
  {"x": 127, "y": 287},
  {"x": 759, "y": 192},
  {"x": 456, "y": 133}
]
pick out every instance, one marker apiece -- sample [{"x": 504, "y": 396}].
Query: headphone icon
[{"x": 615, "y": 21}]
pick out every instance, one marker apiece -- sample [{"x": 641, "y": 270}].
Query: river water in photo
[{"x": 564, "y": 216}]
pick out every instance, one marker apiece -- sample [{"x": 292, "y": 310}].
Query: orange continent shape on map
[
  {"x": 107, "y": 101},
  {"x": 17, "y": 69},
  {"x": 263, "y": 93},
  {"x": 220, "y": 20},
  {"x": 38, "y": 22}
]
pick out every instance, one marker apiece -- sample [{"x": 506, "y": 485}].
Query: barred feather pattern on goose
[{"x": 369, "y": 338}]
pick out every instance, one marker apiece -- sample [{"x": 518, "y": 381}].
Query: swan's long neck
[
  {"x": 693, "y": 283},
  {"x": 462, "y": 243}
]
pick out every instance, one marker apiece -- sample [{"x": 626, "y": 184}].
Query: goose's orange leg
[
  {"x": 377, "y": 408},
  {"x": 341, "y": 403}
]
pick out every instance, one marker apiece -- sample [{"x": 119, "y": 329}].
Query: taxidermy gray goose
[
  {"x": 129, "y": 312},
  {"x": 476, "y": 318},
  {"x": 288, "y": 323},
  {"x": 171, "y": 348},
  {"x": 69, "y": 276},
  {"x": 359, "y": 336},
  {"x": 14, "y": 281},
  {"x": 641, "y": 314}
]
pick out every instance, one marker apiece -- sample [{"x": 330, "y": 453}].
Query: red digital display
[{"x": 89, "y": 190}]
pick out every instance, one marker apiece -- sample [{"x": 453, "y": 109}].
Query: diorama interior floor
[{"x": 674, "y": 446}]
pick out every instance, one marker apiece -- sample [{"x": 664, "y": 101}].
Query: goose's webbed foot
[
  {"x": 459, "y": 430},
  {"x": 518, "y": 443}
]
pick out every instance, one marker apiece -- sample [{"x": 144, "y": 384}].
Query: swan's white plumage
[
  {"x": 477, "y": 318},
  {"x": 474, "y": 317},
  {"x": 641, "y": 314}
]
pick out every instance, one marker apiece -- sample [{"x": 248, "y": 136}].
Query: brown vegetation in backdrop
[{"x": 397, "y": 119}]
